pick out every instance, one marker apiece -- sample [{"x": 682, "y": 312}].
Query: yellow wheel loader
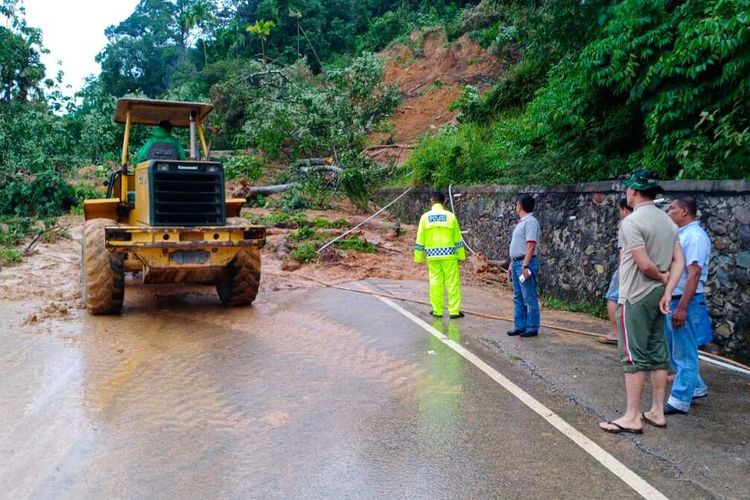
[{"x": 168, "y": 219}]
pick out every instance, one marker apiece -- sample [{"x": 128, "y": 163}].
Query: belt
[{"x": 516, "y": 259}]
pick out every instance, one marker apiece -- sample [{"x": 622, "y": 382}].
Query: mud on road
[{"x": 47, "y": 283}]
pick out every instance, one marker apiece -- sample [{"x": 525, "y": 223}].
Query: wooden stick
[{"x": 34, "y": 241}]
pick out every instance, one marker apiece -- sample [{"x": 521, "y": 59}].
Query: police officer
[{"x": 439, "y": 241}]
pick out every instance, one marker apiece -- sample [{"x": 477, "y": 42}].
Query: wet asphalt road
[{"x": 311, "y": 394}]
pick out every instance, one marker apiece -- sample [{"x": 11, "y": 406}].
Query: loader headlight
[
  {"x": 162, "y": 167},
  {"x": 213, "y": 169}
]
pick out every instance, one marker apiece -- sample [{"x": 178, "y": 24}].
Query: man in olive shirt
[{"x": 651, "y": 263}]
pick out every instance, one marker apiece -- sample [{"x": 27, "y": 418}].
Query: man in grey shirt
[{"x": 523, "y": 271}]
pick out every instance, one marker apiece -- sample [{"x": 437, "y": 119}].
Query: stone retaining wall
[{"x": 579, "y": 233}]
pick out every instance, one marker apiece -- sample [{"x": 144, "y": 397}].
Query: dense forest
[{"x": 593, "y": 90}]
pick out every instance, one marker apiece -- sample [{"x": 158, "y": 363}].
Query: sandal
[
  {"x": 605, "y": 340},
  {"x": 651, "y": 422},
  {"x": 619, "y": 429}
]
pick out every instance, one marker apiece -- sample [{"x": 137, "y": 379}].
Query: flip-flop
[
  {"x": 651, "y": 422},
  {"x": 620, "y": 429},
  {"x": 605, "y": 340}
]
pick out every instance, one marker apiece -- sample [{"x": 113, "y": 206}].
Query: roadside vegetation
[
  {"x": 600, "y": 88},
  {"x": 597, "y": 308},
  {"x": 306, "y": 236},
  {"x": 593, "y": 90}
]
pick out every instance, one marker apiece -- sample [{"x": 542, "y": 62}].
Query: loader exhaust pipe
[{"x": 193, "y": 137}]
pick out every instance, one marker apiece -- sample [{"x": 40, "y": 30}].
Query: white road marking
[{"x": 636, "y": 482}]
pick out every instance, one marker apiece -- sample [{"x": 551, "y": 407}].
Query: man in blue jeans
[
  {"x": 687, "y": 325},
  {"x": 523, "y": 271}
]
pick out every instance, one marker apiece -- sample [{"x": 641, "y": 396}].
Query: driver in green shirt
[{"x": 161, "y": 137}]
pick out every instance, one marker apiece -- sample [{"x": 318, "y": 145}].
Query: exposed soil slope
[{"x": 431, "y": 72}]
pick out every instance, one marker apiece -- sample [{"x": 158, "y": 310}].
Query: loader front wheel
[
  {"x": 238, "y": 284},
  {"x": 102, "y": 272}
]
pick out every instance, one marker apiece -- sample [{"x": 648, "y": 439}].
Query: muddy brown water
[{"x": 300, "y": 395}]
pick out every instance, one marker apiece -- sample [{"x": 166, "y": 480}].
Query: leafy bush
[
  {"x": 305, "y": 252},
  {"x": 249, "y": 168},
  {"x": 335, "y": 224},
  {"x": 9, "y": 256},
  {"x": 383, "y": 30},
  {"x": 81, "y": 193},
  {"x": 13, "y": 230},
  {"x": 303, "y": 233},
  {"x": 357, "y": 244},
  {"x": 43, "y": 194}
]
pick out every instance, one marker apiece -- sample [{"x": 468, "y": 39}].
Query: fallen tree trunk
[
  {"x": 321, "y": 168},
  {"x": 272, "y": 189},
  {"x": 390, "y": 146}
]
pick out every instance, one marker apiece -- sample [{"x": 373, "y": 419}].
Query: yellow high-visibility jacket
[{"x": 438, "y": 236}]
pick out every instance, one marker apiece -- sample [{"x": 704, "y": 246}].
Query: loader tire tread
[
  {"x": 102, "y": 272},
  {"x": 239, "y": 283}
]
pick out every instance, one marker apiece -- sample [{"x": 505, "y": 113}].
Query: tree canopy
[{"x": 594, "y": 89}]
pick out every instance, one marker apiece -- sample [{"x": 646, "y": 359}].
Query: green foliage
[
  {"x": 151, "y": 49},
  {"x": 357, "y": 244},
  {"x": 335, "y": 224},
  {"x": 282, "y": 219},
  {"x": 359, "y": 178},
  {"x": 597, "y": 308},
  {"x": 289, "y": 109},
  {"x": 81, "y": 193},
  {"x": 383, "y": 30},
  {"x": 303, "y": 233},
  {"x": 261, "y": 29},
  {"x": 658, "y": 84},
  {"x": 9, "y": 256},
  {"x": 258, "y": 201},
  {"x": 13, "y": 230},
  {"x": 249, "y": 168},
  {"x": 685, "y": 71},
  {"x": 305, "y": 252},
  {"x": 43, "y": 194},
  {"x": 466, "y": 102},
  {"x": 21, "y": 69}
]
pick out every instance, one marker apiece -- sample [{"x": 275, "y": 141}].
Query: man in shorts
[
  {"x": 651, "y": 264},
  {"x": 612, "y": 294}
]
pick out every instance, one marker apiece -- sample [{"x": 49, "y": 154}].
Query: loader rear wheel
[
  {"x": 102, "y": 272},
  {"x": 238, "y": 284}
]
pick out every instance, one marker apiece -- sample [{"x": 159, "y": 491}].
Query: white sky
[{"x": 73, "y": 31}]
